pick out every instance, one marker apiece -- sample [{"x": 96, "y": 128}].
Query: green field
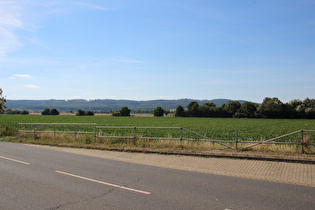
[{"x": 215, "y": 128}]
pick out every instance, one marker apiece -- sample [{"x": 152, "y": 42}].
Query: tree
[
  {"x": 247, "y": 110},
  {"x": 25, "y": 112},
  {"x": 232, "y": 107},
  {"x": 210, "y": 104},
  {"x": 271, "y": 108},
  {"x": 2, "y": 102},
  {"x": 193, "y": 109},
  {"x": 309, "y": 103},
  {"x": 310, "y": 113},
  {"x": 204, "y": 110},
  {"x": 293, "y": 109},
  {"x": 46, "y": 111},
  {"x": 125, "y": 111},
  {"x": 158, "y": 112},
  {"x": 54, "y": 112},
  {"x": 179, "y": 112},
  {"x": 89, "y": 113},
  {"x": 80, "y": 112},
  {"x": 295, "y": 103}
]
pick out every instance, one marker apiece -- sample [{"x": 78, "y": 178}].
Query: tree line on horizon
[{"x": 270, "y": 108}]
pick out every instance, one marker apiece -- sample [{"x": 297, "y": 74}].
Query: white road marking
[
  {"x": 104, "y": 183},
  {"x": 18, "y": 161}
]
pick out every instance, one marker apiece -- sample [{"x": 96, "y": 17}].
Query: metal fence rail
[
  {"x": 54, "y": 131},
  {"x": 134, "y": 135},
  {"x": 289, "y": 134}
]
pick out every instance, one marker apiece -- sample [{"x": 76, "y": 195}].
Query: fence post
[
  {"x": 54, "y": 131},
  {"x": 236, "y": 136},
  {"x": 17, "y": 131},
  {"x": 95, "y": 134},
  {"x": 34, "y": 132},
  {"x": 302, "y": 142},
  {"x": 134, "y": 135},
  {"x": 181, "y": 137},
  {"x": 75, "y": 132},
  {"x": 98, "y": 134}
]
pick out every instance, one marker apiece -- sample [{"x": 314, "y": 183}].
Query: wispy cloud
[
  {"x": 20, "y": 75},
  {"x": 10, "y": 20},
  {"x": 30, "y": 86}
]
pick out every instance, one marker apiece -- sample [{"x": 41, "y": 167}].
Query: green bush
[
  {"x": 48, "y": 111},
  {"x": 158, "y": 112},
  {"x": 80, "y": 112}
]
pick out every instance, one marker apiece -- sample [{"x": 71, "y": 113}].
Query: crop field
[{"x": 214, "y": 128}]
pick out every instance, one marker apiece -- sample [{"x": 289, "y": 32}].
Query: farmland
[{"x": 216, "y": 128}]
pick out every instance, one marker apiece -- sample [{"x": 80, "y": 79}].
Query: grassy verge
[{"x": 164, "y": 146}]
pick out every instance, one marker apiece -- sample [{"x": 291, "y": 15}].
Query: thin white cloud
[
  {"x": 21, "y": 75},
  {"x": 10, "y": 20},
  {"x": 30, "y": 86}
]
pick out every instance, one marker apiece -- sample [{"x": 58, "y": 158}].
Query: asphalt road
[{"x": 36, "y": 178}]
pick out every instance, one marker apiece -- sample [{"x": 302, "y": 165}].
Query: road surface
[{"x": 38, "y": 178}]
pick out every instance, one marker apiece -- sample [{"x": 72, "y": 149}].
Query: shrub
[
  {"x": 123, "y": 112},
  {"x": 80, "y": 112},
  {"x": 89, "y": 113},
  {"x": 46, "y": 111},
  {"x": 158, "y": 112},
  {"x": 50, "y": 112},
  {"x": 25, "y": 112},
  {"x": 54, "y": 112}
]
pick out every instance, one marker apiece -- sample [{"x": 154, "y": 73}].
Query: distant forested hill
[{"x": 104, "y": 104}]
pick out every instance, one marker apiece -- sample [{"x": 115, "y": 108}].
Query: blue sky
[{"x": 165, "y": 49}]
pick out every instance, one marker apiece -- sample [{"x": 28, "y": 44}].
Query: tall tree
[
  {"x": 179, "y": 112},
  {"x": 232, "y": 107},
  {"x": 271, "y": 108},
  {"x": 248, "y": 110},
  {"x": 125, "y": 111},
  {"x": 193, "y": 109},
  {"x": 2, "y": 102}
]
